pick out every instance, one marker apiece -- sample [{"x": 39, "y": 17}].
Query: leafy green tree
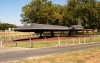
[
  {"x": 44, "y": 12},
  {"x": 36, "y": 11},
  {"x": 4, "y": 26}
]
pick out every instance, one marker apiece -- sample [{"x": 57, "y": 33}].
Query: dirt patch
[{"x": 37, "y": 39}]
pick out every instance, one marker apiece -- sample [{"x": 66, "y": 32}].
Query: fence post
[
  {"x": 84, "y": 39},
  {"x": 1, "y": 44},
  {"x": 45, "y": 39},
  {"x": 58, "y": 41},
  {"x": 16, "y": 43},
  {"x": 31, "y": 43},
  {"x": 79, "y": 41}
]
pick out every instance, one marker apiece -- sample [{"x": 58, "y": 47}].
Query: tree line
[
  {"x": 45, "y": 12},
  {"x": 5, "y": 26}
]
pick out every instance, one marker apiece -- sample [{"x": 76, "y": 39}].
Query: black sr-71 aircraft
[{"x": 40, "y": 28}]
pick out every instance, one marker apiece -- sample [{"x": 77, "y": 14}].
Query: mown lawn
[{"x": 85, "y": 56}]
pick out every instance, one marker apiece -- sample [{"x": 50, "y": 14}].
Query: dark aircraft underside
[{"x": 41, "y": 28}]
